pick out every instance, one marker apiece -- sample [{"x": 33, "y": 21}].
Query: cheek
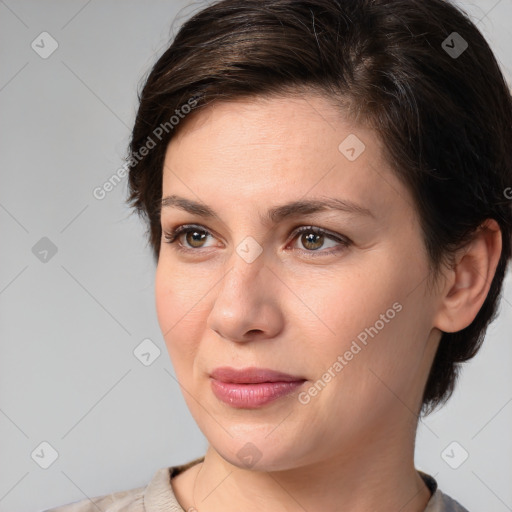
[
  {"x": 167, "y": 308},
  {"x": 340, "y": 306},
  {"x": 180, "y": 295},
  {"x": 179, "y": 315},
  {"x": 368, "y": 318}
]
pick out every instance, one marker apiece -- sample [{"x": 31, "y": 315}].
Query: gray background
[{"x": 69, "y": 326}]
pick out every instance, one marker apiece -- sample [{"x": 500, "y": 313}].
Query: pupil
[
  {"x": 312, "y": 238},
  {"x": 195, "y": 237}
]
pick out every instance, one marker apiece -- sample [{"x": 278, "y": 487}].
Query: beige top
[{"x": 158, "y": 496}]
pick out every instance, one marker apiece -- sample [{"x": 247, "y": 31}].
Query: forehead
[
  {"x": 253, "y": 150},
  {"x": 279, "y": 121}
]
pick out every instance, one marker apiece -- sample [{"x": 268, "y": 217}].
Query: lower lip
[{"x": 250, "y": 396}]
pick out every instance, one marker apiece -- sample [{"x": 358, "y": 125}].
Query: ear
[{"x": 469, "y": 281}]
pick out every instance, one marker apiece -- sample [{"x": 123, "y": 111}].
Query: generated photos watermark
[
  {"x": 100, "y": 192},
  {"x": 355, "y": 348}
]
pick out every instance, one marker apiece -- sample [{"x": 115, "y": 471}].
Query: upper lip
[{"x": 251, "y": 375}]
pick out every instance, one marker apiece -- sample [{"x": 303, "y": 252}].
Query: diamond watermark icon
[
  {"x": 45, "y": 455},
  {"x": 454, "y": 455},
  {"x": 44, "y": 45},
  {"x": 249, "y": 454},
  {"x": 351, "y": 147},
  {"x": 248, "y": 249},
  {"x": 146, "y": 352},
  {"x": 44, "y": 250},
  {"x": 454, "y": 45}
]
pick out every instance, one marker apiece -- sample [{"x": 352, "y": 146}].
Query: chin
[
  {"x": 251, "y": 456},
  {"x": 254, "y": 449}
]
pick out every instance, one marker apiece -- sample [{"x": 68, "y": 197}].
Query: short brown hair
[{"x": 417, "y": 71}]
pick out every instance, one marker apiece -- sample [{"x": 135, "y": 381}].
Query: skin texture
[{"x": 353, "y": 442}]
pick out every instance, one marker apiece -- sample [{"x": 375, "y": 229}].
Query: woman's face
[{"x": 346, "y": 312}]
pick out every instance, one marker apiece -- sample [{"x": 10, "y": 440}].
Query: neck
[{"x": 375, "y": 474}]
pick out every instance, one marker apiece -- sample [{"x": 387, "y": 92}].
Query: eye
[
  {"x": 194, "y": 235},
  {"x": 311, "y": 238}
]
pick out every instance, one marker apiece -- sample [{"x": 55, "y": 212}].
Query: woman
[{"x": 324, "y": 183}]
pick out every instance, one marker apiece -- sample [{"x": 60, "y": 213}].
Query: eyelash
[{"x": 172, "y": 236}]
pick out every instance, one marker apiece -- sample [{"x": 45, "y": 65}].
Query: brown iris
[
  {"x": 194, "y": 237},
  {"x": 312, "y": 238}
]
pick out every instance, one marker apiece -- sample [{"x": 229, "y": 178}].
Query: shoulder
[
  {"x": 443, "y": 503},
  {"x": 131, "y": 500},
  {"x": 158, "y": 494},
  {"x": 440, "y": 502}
]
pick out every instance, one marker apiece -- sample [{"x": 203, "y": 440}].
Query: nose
[{"x": 246, "y": 305}]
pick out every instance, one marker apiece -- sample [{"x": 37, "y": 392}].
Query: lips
[
  {"x": 251, "y": 375},
  {"x": 249, "y": 388}
]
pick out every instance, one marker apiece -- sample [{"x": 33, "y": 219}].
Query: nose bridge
[
  {"x": 246, "y": 266},
  {"x": 247, "y": 258},
  {"x": 243, "y": 301}
]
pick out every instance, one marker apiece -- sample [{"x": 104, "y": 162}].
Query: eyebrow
[{"x": 276, "y": 214}]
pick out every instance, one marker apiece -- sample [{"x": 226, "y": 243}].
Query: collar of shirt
[{"x": 159, "y": 495}]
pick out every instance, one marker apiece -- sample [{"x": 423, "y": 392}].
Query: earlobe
[{"x": 470, "y": 279}]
